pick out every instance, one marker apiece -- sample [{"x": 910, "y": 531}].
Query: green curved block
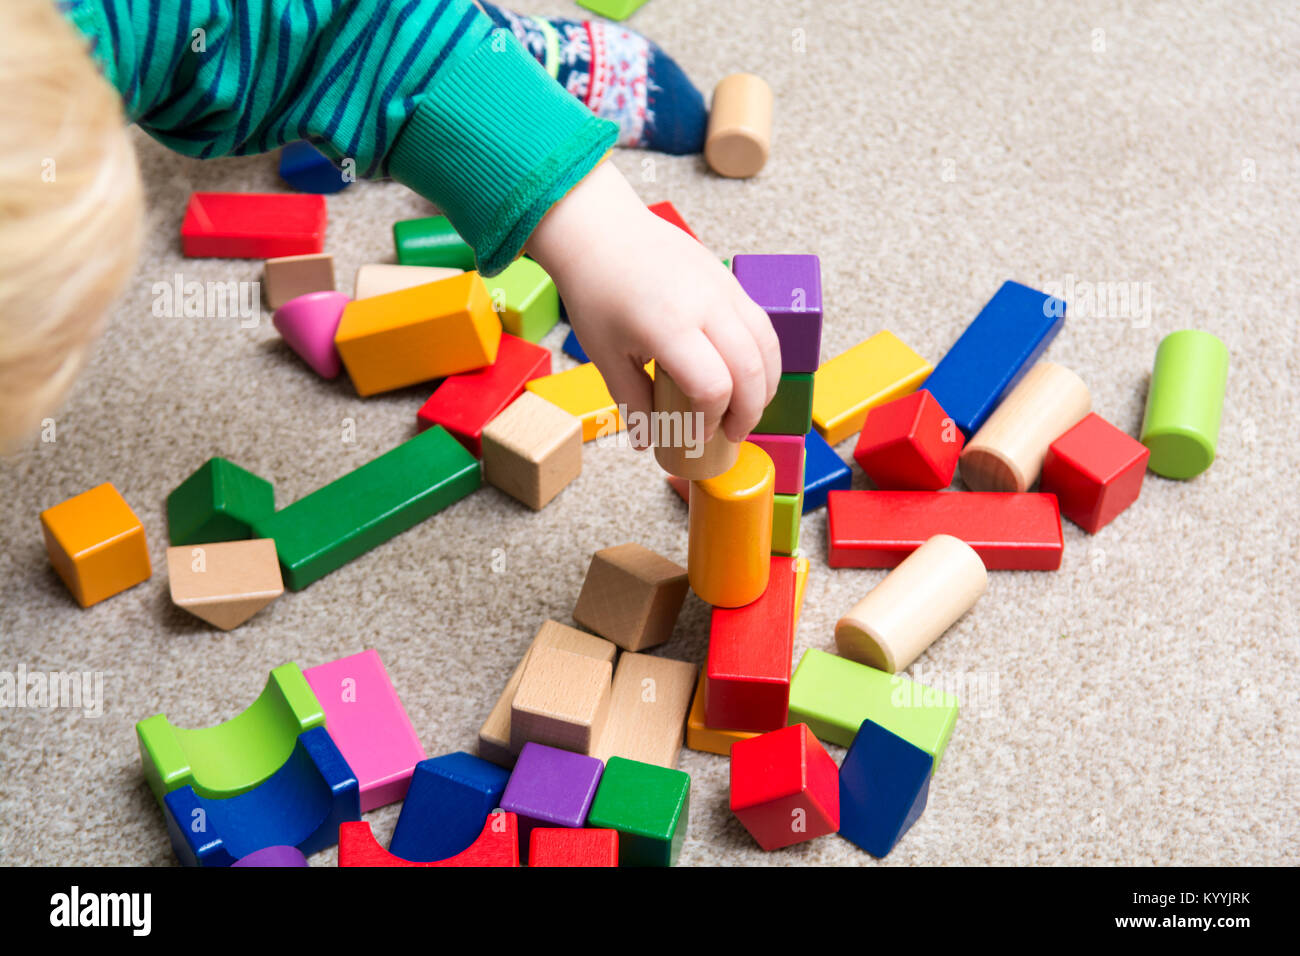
[
  {"x": 219, "y": 502},
  {"x": 1185, "y": 403},
  {"x": 231, "y": 758}
]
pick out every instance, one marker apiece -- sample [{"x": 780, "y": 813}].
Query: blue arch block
[
  {"x": 301, "y": 804},
  {"x": 308, "y": 170},
  {"x": 823, "y": 471},
  {"x": 446, "y": 807},
  {"x": 884, "y": 784}
]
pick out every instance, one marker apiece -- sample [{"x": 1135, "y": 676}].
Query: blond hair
[{"x": 70, "y": 210}]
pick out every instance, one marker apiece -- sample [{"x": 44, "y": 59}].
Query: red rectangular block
[
  {"x": 563, "y": 846},
  {"x": 667, "y": 211},
  {"x": 464, "y": 403},
  {"x": 747, "y": 683},
  {"x": 497, "y": 845},
  {"x": 1009, "y": 531},
  {"x": 253, "y": 225},
  {"x": 1095, "y": 470}
]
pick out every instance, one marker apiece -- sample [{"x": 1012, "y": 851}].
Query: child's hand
[{"x": 638, "y": 288}]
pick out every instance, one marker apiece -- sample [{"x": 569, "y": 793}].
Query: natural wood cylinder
[
  {"x": 1007, "y": 453},
  {"x": 916, "y": 602},
  {"x": 740, "y": 126},
  {"x": 729, "y": 553},
  {"x": 675, "y": 420}
]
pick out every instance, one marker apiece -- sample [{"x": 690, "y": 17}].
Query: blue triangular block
[{"x": 884, "y": 784}]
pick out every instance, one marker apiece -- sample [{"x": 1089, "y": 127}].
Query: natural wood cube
[
  {"x": 96, "y": 544},
  {"x": 562, "y": 701},
  {"x": 225, "y": 583},
  {"x": 631, "y": 596},
  {"x": 532, "y": 450},
  {"x": 291, "y": 276}
]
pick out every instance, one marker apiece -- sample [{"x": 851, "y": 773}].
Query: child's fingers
[
  {"x": 769, "y": 346},
  {"x": 738, "y": 349},
  {"x": 699, "y": 371},
  {"x": 629, "y": 385}
]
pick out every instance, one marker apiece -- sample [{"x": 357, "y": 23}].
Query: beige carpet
[{"x": 1139, "y": 706}]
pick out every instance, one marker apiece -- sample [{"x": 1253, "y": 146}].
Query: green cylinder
[
  {"x": 432, "y": 241},
  {"x": 1185, "y": 403}
]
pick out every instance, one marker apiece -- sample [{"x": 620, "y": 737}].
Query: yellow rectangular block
[
  {"x": 800, "y": 585},
  {"x": 96, "y": 544},
  {"x": 413, "y": 335},
  {"x": 871, "y": 373},
  {"x": 583, "y": 394},
  {"x": 700, "y": 736}
]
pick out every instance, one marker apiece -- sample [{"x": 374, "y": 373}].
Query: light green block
[
  {"x": 612, "y": 9},
  {"x": 834, "y": 695},
  {"x": 526, "y": 298},
  {"x": 786, "y": 512},
  {"x": 1185, "y": 403}
]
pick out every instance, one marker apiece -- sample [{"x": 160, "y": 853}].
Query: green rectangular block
[
  {"x": 432, "y": 241},
  {"x": 834, "y": 695},
  {"x": 323, "y": 531},
  {"x": 526, "y": 299},
  {"x": 219, "y": 502},
  {"x": 790, "y": 411},
  {"x": 648, "y": 805},
  {"x": 786, "y": 512}
]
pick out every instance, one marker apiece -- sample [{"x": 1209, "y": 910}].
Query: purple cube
[
  {"x": 789, "y": 289},
  {"x": 550, "y": 788}
]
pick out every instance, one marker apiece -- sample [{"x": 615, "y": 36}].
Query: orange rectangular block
[
  {"x": 96, "y": 544},
  {"x": 413, "y": 335}
]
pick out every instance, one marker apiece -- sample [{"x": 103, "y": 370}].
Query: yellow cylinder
[
  {"x": 740, "y": 126},
  {"x": 730, "y": 548},
  {"x": 680, "y": 448}
]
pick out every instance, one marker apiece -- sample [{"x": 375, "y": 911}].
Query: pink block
[
  {"x": 308, "y": 324},
  {"x": 786, "y": 452},
  {"x": 369, "y": 725}
]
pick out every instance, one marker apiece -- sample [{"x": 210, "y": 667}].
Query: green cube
[
  {"x": 432, "y": 241},
  {"x": 834, "y": 695},
  {"x": 219, "y": 502},
  {"x": 612, "y": 9},
  {"x": 323, "y": 531},
  {"x": 790, "y": 411},
  {"x": 526, "y": 298},
  {"x": 649, "y": 807},
  {"x": 786, "y": 512}
]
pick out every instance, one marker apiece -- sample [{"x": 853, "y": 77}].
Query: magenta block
[
  {"x": 789, "y": 289},
  {"x": 550, "y": 788},
  {"x": 308, "y": 323},
  {"x": 273, "y": 856},
  {"x": 786, "y": 452}
]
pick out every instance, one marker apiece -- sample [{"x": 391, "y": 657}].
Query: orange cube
[
  {"x": 96, "y": 544},
  {"x": 413, "y": 335}
]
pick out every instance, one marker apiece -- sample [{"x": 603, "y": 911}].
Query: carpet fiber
[{"x": 1138, "y": 706}]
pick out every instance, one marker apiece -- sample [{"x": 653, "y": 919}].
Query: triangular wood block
[{"x": 227, "y": 583}]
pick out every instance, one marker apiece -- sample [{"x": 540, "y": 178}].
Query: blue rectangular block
[
  {"x": 572, "y": 347},
  {"x": 823, "y": 471},
  {"x": 1003, "y": 342},
  {"x": 447, "y": 806},
  {"x": 884, "y": 784}
]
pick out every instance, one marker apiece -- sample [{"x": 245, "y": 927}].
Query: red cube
[
  {"x": 909, "y": 444},
  {"x": 785, "y": 788},
  {"x": 567, "y": 846},
  {"x": 1095, "y": 471}
]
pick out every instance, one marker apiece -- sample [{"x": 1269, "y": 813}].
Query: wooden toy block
[
  {"x": 308, "y": 170},
  {"x": 301, "y": 804},
  {"x": 612, "y": 9},
  {"x": 463, "y": 404},
  {"x": 291, "y": 276},
  {"x": 447, "y": 807},
  {"x": 667, "y": 211},
  {"x": 573, "y": 348},
  {"x": 413, "y": 335},
  {"x": 834, "y": 695},
  {"x": 789, "y": 289},
  {"x": 909, "y": 444},
  {"x": 96, "y": 544},
  {"x": 1185, "y": 403},
  {"x": 1007, "y": 453},
  {"x": 366, "y": 507},
  {"x": 562, "y": 701},
  {"x": 550, "y": 788},
  {"x": 494, "y": 736},
  {"x": 871, "y": 373},
  {"x": 994, "y": 351},
  {"x": 740, "y": 126},
  {"x": 785, "y": 788},
  {"x": 561, "y": 846},
  {"x": 226, "y": 583},
  {"x": 786, "y": 512},
  {"x": 791, "y": 410},
  {"x": 1095, "y": 471},
  {"x": 380, "y": 278},
  {"x": 525, "y": 298},
  {"x": 308, "y": 325},
  {"x": 679, "y": 445},
  {"x": 1009, "y": 531},
  {"x": 631, "y": 596},
  {"x": 700, "y": 736},
  {"x": 497, "y": 845},
  {"x": 750, "y": 647},
  {"x": 823, "y": 472},
  {"x": 278, "y": 857},
  {"x": 730, "y": 537},
  {"x": 884, "y": 784},
  {"x": 228, "y": 759},
  {"x": 649, "y": 806},
  {"x": 253, "y": 225},
  {"x": 431, "y": 241},
  {"x": 786, "y": 452},
  {"x": 369, "y": 725},
  {"x": 219, "y": 502},
  {"x": 582, "y": 393},
  {"x": 532, "y": 450},
  {"x": 647, "y": 709},
  {"x": 916, "y": 602}
]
